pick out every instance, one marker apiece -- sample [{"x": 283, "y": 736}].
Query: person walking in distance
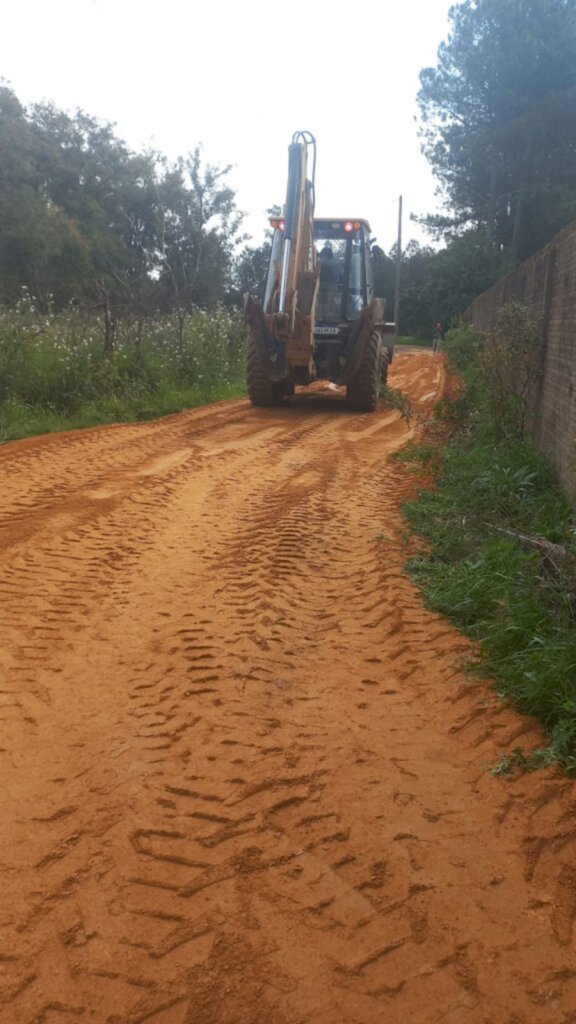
[{"x": 437, "y": 337}]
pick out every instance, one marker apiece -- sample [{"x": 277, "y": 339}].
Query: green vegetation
[
  {"x": 56, "y": 372},
  {"x": 123, "y": 234},
  {"x": 397, "y": 400},
  {"x": 498, "y": 122},
  {"x": 502, "y": 561},
  {"x": 438, "y": 285},
  {"x": 498, "y": 127}
]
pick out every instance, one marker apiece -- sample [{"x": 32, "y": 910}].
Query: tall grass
[
  {"x": 55, "y": 371},
  {"x": 502, "y": 561}
]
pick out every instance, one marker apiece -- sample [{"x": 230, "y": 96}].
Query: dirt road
[{"x": 244, "y": 779}]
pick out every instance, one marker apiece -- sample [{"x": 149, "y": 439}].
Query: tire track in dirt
[{"x": 246, "y": 778}]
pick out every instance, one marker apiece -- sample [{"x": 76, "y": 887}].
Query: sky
[{"x": 239, "y": 78}]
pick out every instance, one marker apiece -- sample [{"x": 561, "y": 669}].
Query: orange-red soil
[{"x": 245, "y": 779}]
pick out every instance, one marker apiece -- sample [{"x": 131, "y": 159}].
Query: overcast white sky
[{"x": 240, "y": 78}]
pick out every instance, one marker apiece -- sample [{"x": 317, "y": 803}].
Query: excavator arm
[
  {"x": 284, "y": 330},
  {"x": 293, "y": 321}
]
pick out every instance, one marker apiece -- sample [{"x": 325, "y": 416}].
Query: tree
[
  {"x": 454, "y": 277},
  {"x": 82, "y": 217},
  {"x": 498, "y": 121},
  {"x": 40, "y": 246},
  {"x": 200, "y": 222},
  {"x": 110, "y": 193},
  {"x": 250, "y": 267}
]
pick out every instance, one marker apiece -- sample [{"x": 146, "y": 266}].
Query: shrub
[
  {"x": 57, "y": 365},
  {"x": 502, "y": 562}
]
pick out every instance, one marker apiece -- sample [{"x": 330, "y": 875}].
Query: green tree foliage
[
  {"x": 199, "y": 225},
  {"x": 250, "y": 268},
  {"x": 82, "y": 218},
  {"x": 445, "y": 282},
  {"x": 498, "y": 120},
  {"x": 40, "y": 245},
  {"x": 437, "y": 285}
]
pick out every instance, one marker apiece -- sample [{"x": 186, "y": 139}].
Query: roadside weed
[
  {"x": 55, "y": 372},
  {"x": 500, "y": 560},
  {"x": 397, "y": 400}
]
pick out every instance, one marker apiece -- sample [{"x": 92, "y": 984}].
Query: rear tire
[
  {"x": 384, "y": 366},
  {"x": 261, "y": 390},
  {"x": 363, "y": 391}
]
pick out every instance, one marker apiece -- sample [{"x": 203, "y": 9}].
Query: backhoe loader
[{"x": 319, "y": 318}]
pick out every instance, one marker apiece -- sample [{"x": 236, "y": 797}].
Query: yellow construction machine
[{"x": 319, "y": 318}]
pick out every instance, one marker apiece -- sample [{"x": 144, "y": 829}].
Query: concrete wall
[{"x": 547, "y": 284}]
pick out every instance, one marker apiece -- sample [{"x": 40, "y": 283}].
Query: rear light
[
  {"x": 278, "y": 224},
  {"x": 352, "y": 225}
]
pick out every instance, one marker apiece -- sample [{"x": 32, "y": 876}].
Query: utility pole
[{"x": 398, "y": 264}]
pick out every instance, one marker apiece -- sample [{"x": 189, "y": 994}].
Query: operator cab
[
  {"x": 346, "y": 279},
  {"x": 346, "y": 283}
]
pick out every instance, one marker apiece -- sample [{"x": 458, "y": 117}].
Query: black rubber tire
[
  {"x": 261, "y": 390},
  {"x": 384, "y": 366},
  {"x": 363, "y": 391}
]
